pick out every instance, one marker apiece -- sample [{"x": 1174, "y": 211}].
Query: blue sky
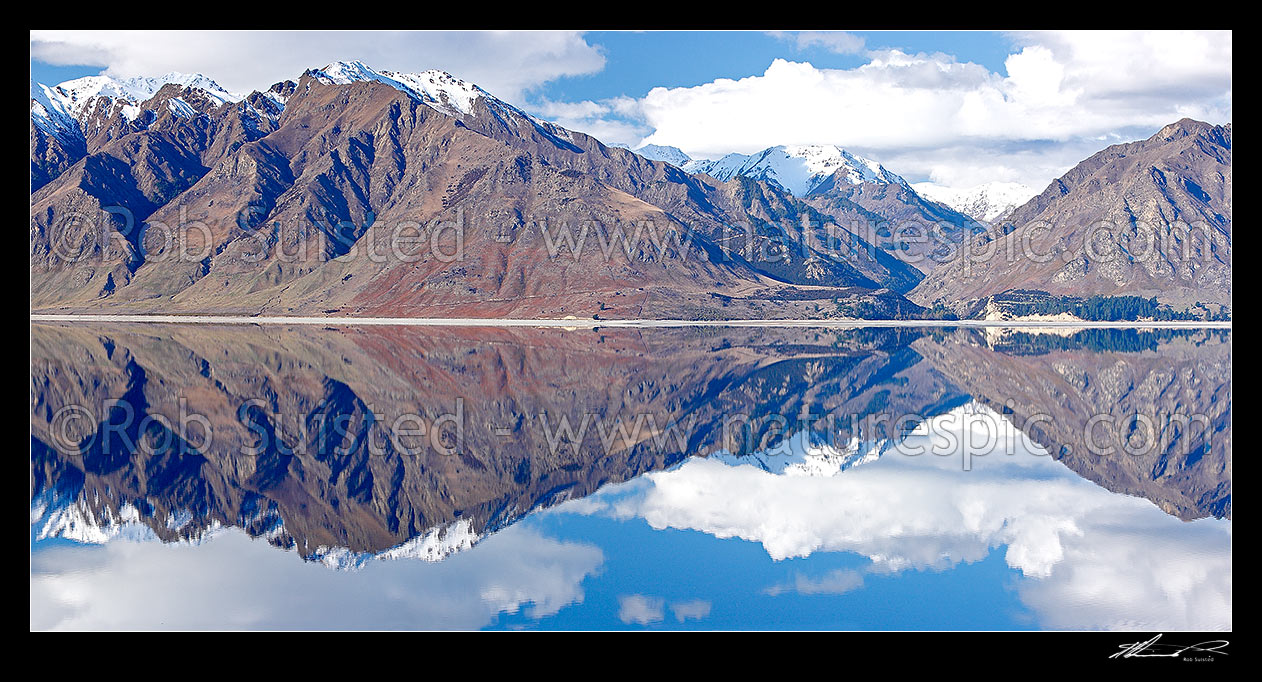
[
  {"x": 639, "y": 61},
  {"x": 953, "y": 108}
]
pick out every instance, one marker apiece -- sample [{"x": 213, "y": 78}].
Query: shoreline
[{"x": 625, "y": 323}]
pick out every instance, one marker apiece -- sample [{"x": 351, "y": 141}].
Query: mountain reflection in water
[{"x": 466, "y": 478}]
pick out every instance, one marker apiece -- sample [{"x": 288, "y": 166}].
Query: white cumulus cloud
[
  {"x": 834, "y": 41},
  {"x": 1089, "y": 558},
  {"x": 507, "y": 63},
  {"x": 236, "y": 582},
  {"x": 640, "y": 609},
  {"x": 1059, "y": 98}
]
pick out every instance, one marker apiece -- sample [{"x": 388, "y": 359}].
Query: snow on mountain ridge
[
  {"x": 987, "y": 202},
  {"x": 445, "y": 93},
  {"x": 800, "y": 456},
  {"x": 56, "y": 515},
  {"x": 62, "y": 110},
  {"x": 48, "y": 111},
  {"x": 799, "y": 169},
  {"x": 434, "y": 545},
  {"x": 657, "y": 152},
  {"x": 59, "y": 516},
  {"x": 73, "y": 97},
  {"x": 434, "y": 87}
]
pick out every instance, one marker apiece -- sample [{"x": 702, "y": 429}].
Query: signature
[{"x": 1153, "y": 649}]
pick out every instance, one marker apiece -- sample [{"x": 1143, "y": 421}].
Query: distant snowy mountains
[
  {"x": 805, "y": 169},
  {"x": 671, "y": 155},
  {"x": 988, "y": 202},
  {"x": 800, "y": 455},
  {"x": 799, "y": 169}
]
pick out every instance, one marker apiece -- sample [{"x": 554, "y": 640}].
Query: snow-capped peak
[
  {"x": 341, "y": 73},
  {"x": 799, "y": 169},
  {"x": 72, "y": 96},
  {"x": 657, "y": 152},
  {"x": 986, "y": 202},
  {"x": 57, "y": 514},
  {"x": 436, "y": 544},
  {"x": 48, "y": 111},
  {"x": 799, "y": 455},
  {"x": 62, "y": 108},
  {"x": 436, "y": 88}
]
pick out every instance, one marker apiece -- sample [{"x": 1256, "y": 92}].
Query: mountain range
[
  {"x": 806, "y": 169},
  {"x": 989, "y": 202},
  {"x": 1150, "y": 218},
  {"x": 798, "y": 169},
  {"x": 173, "y": 194},
  {"x": 280, "y": 185},
  {"x": 865, "y": 197}
]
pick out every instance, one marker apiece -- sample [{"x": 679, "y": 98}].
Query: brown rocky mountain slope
[
  {"x": 895, "y": 218},
  {"x": 361, "y": 197},
  {"x": 1147, "y": 218}
]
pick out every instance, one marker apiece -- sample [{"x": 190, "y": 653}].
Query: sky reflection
[{"x": 897, "y": 542}]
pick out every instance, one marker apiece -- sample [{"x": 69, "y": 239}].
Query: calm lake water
[{"x": 200, "y": 476}]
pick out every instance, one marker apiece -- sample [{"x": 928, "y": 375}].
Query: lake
[{"x": 201, "y": 476}]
